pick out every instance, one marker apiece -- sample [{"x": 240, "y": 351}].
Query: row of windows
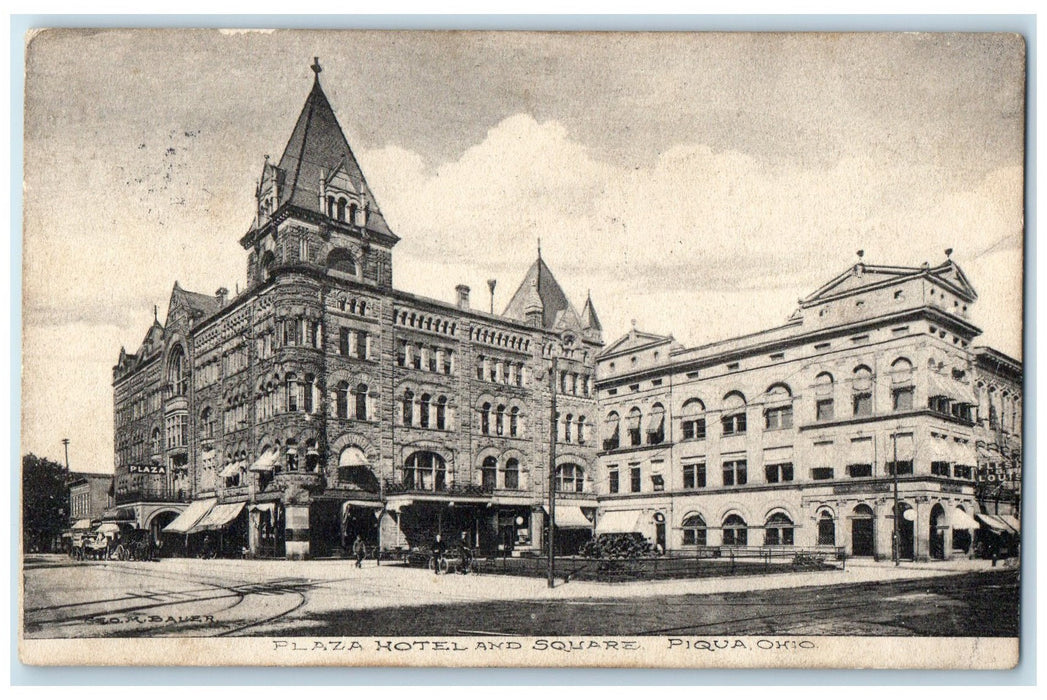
[
  {"x": 425, "y": 411},
  {"x": 426, "y": 358},
  {"x": 491, "y": 369},
  {"x": 778, "y": 529}
]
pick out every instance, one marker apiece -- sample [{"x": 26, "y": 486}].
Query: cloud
[{"x": 696, "y": 224}]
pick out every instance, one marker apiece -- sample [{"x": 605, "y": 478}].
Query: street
[{"x": 189, "y": 597}]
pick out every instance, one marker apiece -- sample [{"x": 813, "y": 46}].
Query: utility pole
[
  {"x": 897, "y": 515},
  {"x": 552, "y": 464},
  {"x": 65, "y": 443}
]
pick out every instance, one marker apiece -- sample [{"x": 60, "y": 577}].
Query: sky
[{"x": 697, "y": 184}]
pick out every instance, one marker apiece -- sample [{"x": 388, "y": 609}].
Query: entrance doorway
[
  {"x": 906, "y": 531},
  {"x": 659, "y": 536},
  {"x": 826, "y": 529},
  {"x": 862, "y": 532},
  {"x": 937, "y": 534}
]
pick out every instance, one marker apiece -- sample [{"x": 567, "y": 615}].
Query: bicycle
[{"x": 438, "y": 565}]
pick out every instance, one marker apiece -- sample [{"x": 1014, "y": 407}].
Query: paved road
[{"x": 267, "y": 598}]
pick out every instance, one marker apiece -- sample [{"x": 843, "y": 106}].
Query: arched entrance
[
  {"x": 826, "y": 529},
  {"x": 937, "y": 533},
  {"x": 169, "y": 544},
  {"x": 862, "y": 531},
  {"x": 906, "y": 531}
]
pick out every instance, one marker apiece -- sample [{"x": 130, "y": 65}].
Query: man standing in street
[{"x": 359, "y": 549}]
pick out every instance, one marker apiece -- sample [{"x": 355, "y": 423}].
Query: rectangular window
[
  {"x": 940, "y": 468},
  {"x": 901, "y": 398},
  {"x": 779, "y": 418},
  {"x": 634, "y": 479},
  {"x": 694, "y": 476},
  {"x": 693, "y": 429},
  {"x": 822, "y": 346},
  {"x": 902, "y": 466},
  {"x": 612, "y": 480},
  {"x": 447, "y": 361},
  {"x": 733, "y": 424},
  {"x": 859, "y": 339},
  {"x": 859, "y": 470},
  {"x": 821, "y": 473},
  {"x": 863, "y": 404},
  {"x": 734, "y": 472},
  {"x": 778, "y": 472},
  {"x": 824, "y": 409},
  {"x": 343, "y": 342},
  {"x": 658, "y": 482}
]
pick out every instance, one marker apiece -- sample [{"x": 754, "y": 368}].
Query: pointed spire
[{"x": 589, "y": 318}]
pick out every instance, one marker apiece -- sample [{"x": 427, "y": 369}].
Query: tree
[{"x": 45, "y": 503}]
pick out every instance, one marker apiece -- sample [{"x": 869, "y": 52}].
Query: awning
[
  {"x": 954, "y": 390},
  {"x": 395, "y": 504},
  {"x": 119, "y": 515},
  {"x": 367, "y": 505},
  {"x": 218, "y": 517},
  {"x": 263, "y": 507},
  {"x": 993, "y": 522},
  {"x": 83, "y": 524},
  {"x": 655, "y": 422},
  {"x": 962, "y": 520},
  {"x": 265, "y": 462},
  {"x": 1011, "y": 522},
  {"x": 191, "y": 516},
  {"x": 618, "y": 521},
  {"x": 861, "y": 451},
  {"x": 572, "y": 517},
  {"x": 108, "y": 528},
  {"x": 231, "y": 469},
  {"x": 939, "y": 450}
]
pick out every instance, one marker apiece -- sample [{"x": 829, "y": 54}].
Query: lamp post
[
  {"x": 897, "y": 515},
  {"x": 552, "y": 464}
]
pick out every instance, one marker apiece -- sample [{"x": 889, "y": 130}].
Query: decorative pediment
[{"x": 635, "y": 340}]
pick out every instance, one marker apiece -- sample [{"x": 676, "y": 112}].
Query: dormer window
[{"x": 340, "y": 209}]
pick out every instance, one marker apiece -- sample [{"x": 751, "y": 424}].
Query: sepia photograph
[{"x": 489, "y": 348}]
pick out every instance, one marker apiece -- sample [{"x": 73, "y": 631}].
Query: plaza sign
[{"x": 147, "y": 469}]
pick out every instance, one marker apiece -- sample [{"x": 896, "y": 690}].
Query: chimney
[
  {"x": 491, "y": 285},
  {"x": 220, "y": 295},
  {"x": 463, "y": 296}
]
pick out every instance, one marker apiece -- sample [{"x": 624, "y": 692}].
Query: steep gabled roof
[
  {"x": 554, "y": 301},
  {"x": 863, "y": 277},
  {"x": 197, "y": 304},
  {"x": 589, "y": 318},
  {"x": 318, "y": 147}
]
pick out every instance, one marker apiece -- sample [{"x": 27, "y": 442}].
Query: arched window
[
  {"x": 514, "y": 421},
  {"x": 512, "y": 473},
  {"x": 735, "y": 533},
  {"x": 861, "y": 391},
  {"x": 207, "y": 423},
  {"x": 694, "y": 531},
  {"x": 355, "y": 471},
  {"x": 570, "y": 478},
  {"x": 823, "y": 397},
  {"x": 633, "y": 426},
  {"x": 489, "y": 474},
  {"x": 485, "y": 419},
  {"x": 656, "y": 425},
  {"x": 733, "y": 419},
  {"x": 177, "y": 376},
  {"x": 692, "y": 425},
  {"x": 155, "y": 441},
  {"x": 341, "y": 400},
  {"x": 408, "y": 407},
  {"x": 361, "y": 402},
  {"x": 330, "y": 206},
  {"x": 426, "y": 471},
  {"x": 441, "y": 413},
  {"x": 612, "y": 426},
  {"x": 342, "y": 260},
  {"x": 901, "y": 385},
  {"x": 778, "y": 530},
  {"x": 568, "y": 423},
  {"x": 267, "y": 262},
  {"x": 423, "y": 410},
  {"x": 352, "y": 214},
  {"x": 581, "y": 430},
  {"x": 779, "y": 412},
  {"x": 499, "y": 420},
  {"x": 340, "y": 211}
]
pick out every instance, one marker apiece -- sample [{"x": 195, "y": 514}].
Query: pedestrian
[{"x": 360, "y": 550}]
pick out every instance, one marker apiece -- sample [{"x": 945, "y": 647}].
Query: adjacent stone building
[
  {"x": 800, "y": 435},
  {"x": 322, "y": 403}
]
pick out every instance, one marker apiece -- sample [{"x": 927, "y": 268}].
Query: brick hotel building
[{"x": 322, "y": 403}]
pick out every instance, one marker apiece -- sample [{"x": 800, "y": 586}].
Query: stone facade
[
  {"x": 791, "y": 436},
  {"x": 331, "y": 405}
]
